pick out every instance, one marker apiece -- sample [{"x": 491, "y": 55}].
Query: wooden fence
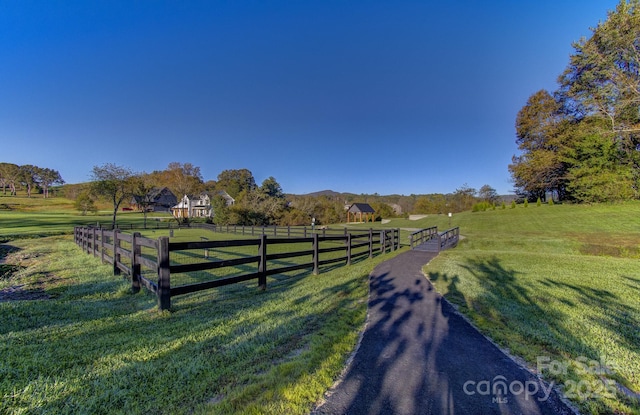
[
  {"x": 150, "y": 262},
  {"x": 281, "y": 231},
  {"x": 422, "y": 236},
  {"x": 431, "y": 240}
]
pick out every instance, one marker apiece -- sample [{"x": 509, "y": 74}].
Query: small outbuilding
[{"x": 361, "y": 212}]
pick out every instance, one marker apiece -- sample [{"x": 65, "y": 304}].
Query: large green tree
[
  {"x": 539, "y": 130},
  {"x": 582, "y": 141},
  {"x": 142, "y": 186},
  {"x": 115, "y": 183},
  {"x": 183, "y": 179},
  {"x": 9, "y": 177},
  {"x": 28, "y": 177},
  {"x": 47, "y": 177},
  {"x": 234, "y": 182}
]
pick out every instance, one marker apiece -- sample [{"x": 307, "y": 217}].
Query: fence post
[
  {"x": 316, "y": 254},
  {"x": 262, "y": 266},
  {"x": 135, "y": 265},
  {"x": 288, "y": 231},
  {"x": 93, "y": 242},
  {"x": 370, "y": 243},
  {"x": 382, "y": 242},
  {"x": 164, "y": 276},
  {"x": 116, "y": 254},
  {"x": 396, "y": 239},
  {"x": 102, "y": 245},
  {"x": 348, "y": 249}
]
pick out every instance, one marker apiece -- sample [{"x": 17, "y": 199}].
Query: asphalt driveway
[{"x": 419, "y": 356}]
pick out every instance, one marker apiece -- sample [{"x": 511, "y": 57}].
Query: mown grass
[
  {"x": 24, "y": 217},
  {"x": 555, "y": 282},
  {"x": 96, "y": 348},
  {"x": 558, "y": 282}
]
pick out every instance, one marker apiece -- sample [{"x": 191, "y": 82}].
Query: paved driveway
[{"x": 418, "y": 356}]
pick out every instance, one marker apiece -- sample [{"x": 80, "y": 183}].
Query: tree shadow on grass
[
  {"x": 417, "y": 354},
  {"x": 621, "y": 320},
  {"x": 518, "y": 316}
]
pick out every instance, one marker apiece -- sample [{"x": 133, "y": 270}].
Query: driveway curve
[{"x": 417, "y": 355}]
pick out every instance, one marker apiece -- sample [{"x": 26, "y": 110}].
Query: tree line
[
  {"x": 259, "y": 205},
  {"x": 28, "y": 177},
  {"x": 264, "y": 204},
  {"x": 581, "y": 142}
]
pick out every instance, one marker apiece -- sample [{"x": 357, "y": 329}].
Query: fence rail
[
  {"x": 422, "y": 236},
  {"x": 449, "y": 238},
  {"x": 150, "y": 262},
  {"x": 430, "y": 239}
]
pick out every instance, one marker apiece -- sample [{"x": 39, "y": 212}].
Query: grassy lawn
[
  {"x": 22, "y": 217},
  {"x": 553, "y": 284},
  {"x": 557, "y": 286},
  {"x": 95, "y": 348},
  {"x": 80, "y": 342}
]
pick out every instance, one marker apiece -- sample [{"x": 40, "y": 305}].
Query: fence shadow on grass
[{"x": 207, "y": 347}]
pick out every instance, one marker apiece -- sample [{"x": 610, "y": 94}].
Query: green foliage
[
  {"x": 539, "y": 202},
  {"x": 181, "y": 178},
  {"x": 526, "y": 203},
  {"x": 235, "y": 182},
  {"x": 482, "y": 206},
  {"x": 28, "y": 176},
  {"x": 84, "y": 203},
  {"x": 550, "y": 201},
  {"x": 504, "y": 205},
  {"x": 513, "y": 204},
  {"x": 113, "y": 182},
  {"x": 581, "y": 141},
  {"x": 221, "y": 212}
]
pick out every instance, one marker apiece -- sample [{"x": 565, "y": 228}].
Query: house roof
[{"x": 361, "y": 208}]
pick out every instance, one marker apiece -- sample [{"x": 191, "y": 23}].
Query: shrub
[
  {"x": 539, "y": 202},
  {"x": 513, "y": 204},
  {"x": 481, "y": 206}
]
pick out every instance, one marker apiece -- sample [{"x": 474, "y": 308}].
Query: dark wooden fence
[
  {"x": 431, "y": 240},
  {"x": 449, "y": 238},
  {"x": 422, "y": 236},
  {"x": 149, "y": 261},
  {"x": 281, "y": 231}
]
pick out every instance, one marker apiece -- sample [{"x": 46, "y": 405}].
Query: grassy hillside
[
  {"x": 557, "y": 284},
  {"x": 553, "y": 284}
]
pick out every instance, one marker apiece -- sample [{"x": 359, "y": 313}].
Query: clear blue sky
[{"x": 406, "y": 97}]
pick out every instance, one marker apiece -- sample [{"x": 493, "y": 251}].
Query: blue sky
[{"x": 388, "y": 97}]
